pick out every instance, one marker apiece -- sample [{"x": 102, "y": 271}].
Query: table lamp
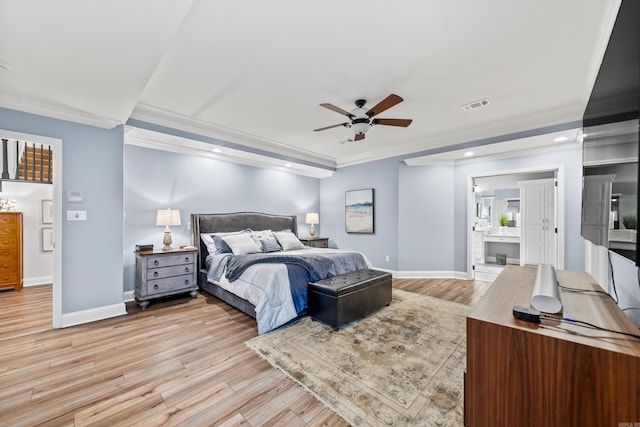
[
  {"x": 167, "y": 217},
  {"x": 312, "y": 218}
]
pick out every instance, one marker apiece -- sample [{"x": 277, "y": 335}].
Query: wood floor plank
[{"x": 182, "y": 361}]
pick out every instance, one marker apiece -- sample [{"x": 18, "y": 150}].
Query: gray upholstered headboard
[{"x": 224, "y": 222}]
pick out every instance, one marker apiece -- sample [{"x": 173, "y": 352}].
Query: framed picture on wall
[
  {"x": 47, "y": 211},
  {"x": 359, "y": 211},
  {"x": 47, "y": 240}
]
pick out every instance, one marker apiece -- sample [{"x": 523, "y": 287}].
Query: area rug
[{"x": 401, "y": 366}]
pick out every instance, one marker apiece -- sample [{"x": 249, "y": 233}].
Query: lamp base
[
  {"x": 167, "y": 241},
  {"x": 312, "y": 231}
]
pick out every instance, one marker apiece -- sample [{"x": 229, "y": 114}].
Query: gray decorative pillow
[
  {"x": 241, "y": 244},
  {"x": 288, "y": 240},
  {"x": 266, "y": 240},
  {"x": 270, "y": 244},
  {"x": 257, "y": 236}
]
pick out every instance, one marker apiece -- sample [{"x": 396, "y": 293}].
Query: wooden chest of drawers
[
  {"x": 11, "y": 250},
  {"x": 162, "y": 273}
]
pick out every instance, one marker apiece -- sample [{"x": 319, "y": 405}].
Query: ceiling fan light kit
[{"x": 362, "y": 119}]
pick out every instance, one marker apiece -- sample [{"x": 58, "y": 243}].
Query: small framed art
[
  {"x": 47, "y": 240},
  {"x": 359, "y": 211}
]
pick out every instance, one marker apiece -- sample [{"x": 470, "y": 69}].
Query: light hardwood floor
[{"x": 180, "y": 362}]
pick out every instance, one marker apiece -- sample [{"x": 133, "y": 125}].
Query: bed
[{"x": 268, "y": 286}]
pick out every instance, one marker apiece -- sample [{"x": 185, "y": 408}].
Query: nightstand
[
  {"x": 316, "y": 242},
  {"x": 162, "y": 273}
]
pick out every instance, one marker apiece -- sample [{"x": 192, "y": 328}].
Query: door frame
[
  {"x": 558, "y": 209},
  {"x": 56, "y": 147}
]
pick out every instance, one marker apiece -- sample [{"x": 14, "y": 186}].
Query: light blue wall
[
  {"x": 91, "y": 250},
  {"x": 382, "y": 176},
  {"x": 572, "y": 162},
  {"x": 425, "y": 218},
  {"x": 421, "y": 211},
  {"x": 158, "y": 179}
]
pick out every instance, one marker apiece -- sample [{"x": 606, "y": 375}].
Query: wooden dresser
[
  {"x": 552, "y": 374},
  {"x": 11, "y": 250}
]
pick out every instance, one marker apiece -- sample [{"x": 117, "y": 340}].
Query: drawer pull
[
  {"x": 156, "y": 262},
  {"x": 186, "y": 269},
  {"x": 155, "y": 274},
  {"x": 186, "y": 259},
  {"x": 186, "y": 282},
  {"x": 156, "y": 287}
]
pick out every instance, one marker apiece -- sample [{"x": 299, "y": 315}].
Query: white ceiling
[{"x": 251, "y": 74}]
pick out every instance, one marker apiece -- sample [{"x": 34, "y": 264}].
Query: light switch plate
[{"x": 75, "y": 196}]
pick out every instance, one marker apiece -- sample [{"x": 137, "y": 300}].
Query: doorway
[
  {"x": 494, "y": 218},
  {"x": 56, "y": 146}
]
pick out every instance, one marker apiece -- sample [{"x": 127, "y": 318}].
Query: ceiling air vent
[{"x": 475, "y": 104}]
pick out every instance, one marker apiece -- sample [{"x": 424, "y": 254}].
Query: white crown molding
[
  {"x": 561, "y": 116},
  {"x": 600, "y": 47},
  {"x": 60, "y": 112},
  {"x": 201, "y": 149},
  {"x": 153, "y": 115}
]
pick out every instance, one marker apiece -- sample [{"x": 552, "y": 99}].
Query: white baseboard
[
  {"x": 426, "y": 274},
  {"x": 129, "y": 296},
  {"x": 93, "y": 314},
  {"x": 35, "y": 281}
]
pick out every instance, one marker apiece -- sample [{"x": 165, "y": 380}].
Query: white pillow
[
  {"x": 241, "y": 244},
  {"x": 288, "y": 240},
  {"x": 257, "y": 236},
  {"x": 208, "y": 242}
]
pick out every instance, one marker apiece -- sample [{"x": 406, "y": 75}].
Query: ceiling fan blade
[
  {"x": 385, "y": 104},
  {"x": 359, "y": 136},
  {"x": 329, "y": 127},
  {"x": 392, "y": 122},
  {"x": 336, "y": 109}
]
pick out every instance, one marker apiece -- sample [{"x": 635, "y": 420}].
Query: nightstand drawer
[
  {"x": 318, "y": 242},
  {"x": 168, "y": 260},
  {"x": 171, "y": 284},
  {"x": 174, "y": 270}
]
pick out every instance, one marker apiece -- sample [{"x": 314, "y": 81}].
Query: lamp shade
[
  {"x": 312, "y": 218},
  {"x": 168, "y": 217}
]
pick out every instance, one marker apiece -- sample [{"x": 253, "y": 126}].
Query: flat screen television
[{"x": 610, "y": 141}]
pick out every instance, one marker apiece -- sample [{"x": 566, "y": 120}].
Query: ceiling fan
[{"x": 362, "y": 119}]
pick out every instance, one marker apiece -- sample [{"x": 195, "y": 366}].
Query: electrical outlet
[
  {"x": 76, "y": 215},
  {"x": 387, "y": 258}
]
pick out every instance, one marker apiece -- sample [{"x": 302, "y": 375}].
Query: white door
[{"x": 538, "y": 238}]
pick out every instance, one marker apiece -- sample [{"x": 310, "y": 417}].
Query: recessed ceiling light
[
  {"x": 287, "y": 165},
  {"x": 469, "y": 154},
  {"x": 560, "y": 139},
  {"x": 216, "y": 150}
]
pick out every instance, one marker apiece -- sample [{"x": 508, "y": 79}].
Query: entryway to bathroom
[{"x": 514, "y": 219}]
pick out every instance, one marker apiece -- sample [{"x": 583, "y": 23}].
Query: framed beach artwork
[{"x": 358, "y": 211}]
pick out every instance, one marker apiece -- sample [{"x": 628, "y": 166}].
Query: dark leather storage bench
[{"x": 341, "y": 299}]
